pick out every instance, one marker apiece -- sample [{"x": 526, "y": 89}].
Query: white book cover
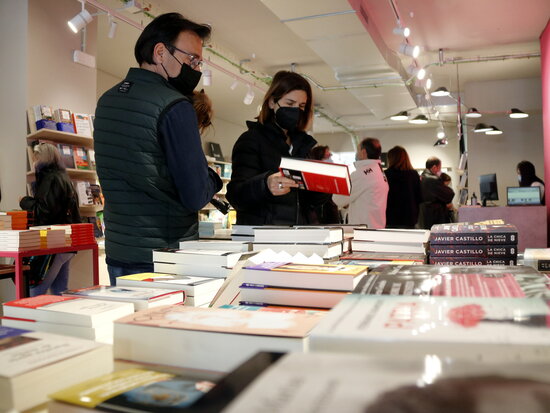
[
  {"x": 350, "y": 383},
  {"x": 69, "y": 310},
  {"x": 141, "y": 297},
  {"x": 191, "y": 270},
  {"x": 193, "y": 286},
  {"x": 318, "y": 235},
  {"x": 419, "y": 236},
  {"x": 224, "y": 245},
  {"x": 465, "y": 327},
  {"x": 377, "y": 246},
  {"x": 197, "y": 257},
  {"x": 326, "y": 251}
]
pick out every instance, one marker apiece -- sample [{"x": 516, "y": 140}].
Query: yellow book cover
[{"x": 332, "y": 269}]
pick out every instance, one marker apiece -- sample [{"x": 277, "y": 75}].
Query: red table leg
[
  {"x": 19, "y": 279},
  {"x": 95, "y": 264}
]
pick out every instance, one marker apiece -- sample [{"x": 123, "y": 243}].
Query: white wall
[
  {"x": 225, "y": 133},
  {"x": 522, "y": 138}
]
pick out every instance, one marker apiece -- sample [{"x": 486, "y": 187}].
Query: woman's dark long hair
[{"x": 527, "y": 172}]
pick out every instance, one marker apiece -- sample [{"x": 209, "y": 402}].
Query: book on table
[
  {"x": 317, "y": 176},
  {"x": 465, "y": 328},
  {"x": 140, "y": 297},
  {"x": 34, "y": 364},
  {"x": 326, "y": 251},
  {"x": 299, "y": 234},
  {"x": 299, "y": 297},
  {"x": 192, "y": 270},
  {"x": 102, "y": 333},
  {"x": 321, "y": 276},
  {"x": 473, "y": 261},
  {"x": 198, "y": 290},
  {"x": 538, "y": 258},
  {"x": 208, "y": 338},
  {"x": 197, "y": 257},
  {"x": 474, "y": 250},
  {"x": 464, "y": 233},
  {"x": 382, "y": 256},
  {"x": 334, "y": 382},
  {"x": 395, "y": 247},
  {"x": 419, "y": 236},
  {"x": 68, "y": 310},
  {"x": 220, "y": 245},
  {"x": 454, "y": 281},
  {"x": 150, "y": 389}
]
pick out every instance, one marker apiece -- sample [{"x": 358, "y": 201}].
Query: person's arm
[
  {"x": 179, "y": 138},
  {"x": 442, "y": 192},
  {"x": 48, "y": 200}
]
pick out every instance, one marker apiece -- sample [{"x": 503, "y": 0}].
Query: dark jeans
[{"x": 116, "y": 271}]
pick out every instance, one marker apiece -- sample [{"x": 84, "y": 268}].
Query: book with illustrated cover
[
  {"x": 91, "y": 158},
  {"x": 81, "y": 157},
  {"x": 84, "y": 192},
  {"x": 469, "y": 234},
  {"x": 141, "y": 297},
  {"x": 317, "y": 176},
  {"x": 470, "y": 328},
  {"x": 82, "y": 124},
  {"x": 334, "y": 382},
  {"x": 97, "y": 195},
  {"x": 320, "y": 276},
  {"x": 473, "y": 260},
  {"x": 149, "y": 390},
  {"x": 480, "y": 250},
  {"x": 39, "y": 117},
  {"x": 208, "y": 338},
  {"x": 454, "y": 281},
  {"x": 67, "y": 155},
  {"x": 34, "y": 364},
  {"x": 68, "y": 310}
]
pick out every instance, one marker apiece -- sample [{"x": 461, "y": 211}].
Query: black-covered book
[
  {"x": 480, "y": 250},
  {"x": 473, "y": 260},
  {"x": 468, "y": 234},
  {"x": 216, "y": 150},
  {"x": 453, "y": 281}
]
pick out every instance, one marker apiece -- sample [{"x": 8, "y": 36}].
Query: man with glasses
[{"x": 148, "y": 151}]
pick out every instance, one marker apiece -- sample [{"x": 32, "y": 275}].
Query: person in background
[
  {"x": 452, "y": 213},
  {"x": 260, "y": 194},
  {"x": 369, "y": 187},
  {"x": 54, "y": 201},
  {"x": 404, "y": 194},
  {"x": 435, "y": 196},
  {"x": 149, "y": 156},
  {"x": 528, "y": 177},
  {"x": 326, "y": 213},
  {"x": 203, "y": 108}
]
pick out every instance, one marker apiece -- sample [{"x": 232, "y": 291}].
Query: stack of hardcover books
[
  {"x": 199, "y": 291},
  {"x": 19, "y": 240},
  {"x": 5, "y": 221},
  {"x": 77, "y": 317},
  {"x": 402, "y": 241},
  {"x": 298, "y": 285},
  {"x": 473, "y": 244},
  {"x": 325, "y": 242},
  {"x": 374, "y": 259},
  {"x": 201, "y": 263},
  {"x": 19, "y": 219}
]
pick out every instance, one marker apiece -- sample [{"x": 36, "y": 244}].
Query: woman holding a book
[
  {"x": 54, "y": 201},
  {"x": 260, "y": 194}
]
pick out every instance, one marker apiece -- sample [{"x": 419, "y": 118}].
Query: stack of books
[
  {"x": 5, "y": 221},
  {"x": 140, "y": 297},
  {"x": 77, "y": 317},
  {"x": 19, "y": 219},
  {"x": 298, "y": 285},
  {"x": 199, "y": 291},
  {"x": 209, "y": 228},
  {"x": 402, "y": 241},
  {"x": 325, "y": 242},
  {"x": 374, "y": 259},
  {"x": 243, "y": 233},
  {"x": 52, "y": 238},
  {"x": 473, "y": 244},
  {"x": 220, "y": 245},
  {"x": 35, "y": 364},
  {"x": 19, "y": 240},
  {"x": 201, "y": 263},
  {"x": 208, "y": 338},
  {"x": 80, "y": 234}
]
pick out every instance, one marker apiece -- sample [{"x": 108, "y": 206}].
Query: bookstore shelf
[
  {"x": 73, "y": 173},
  {"x": 61, "y": 137}
]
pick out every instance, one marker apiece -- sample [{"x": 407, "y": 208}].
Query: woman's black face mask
[{"x": 288, "y": 117}]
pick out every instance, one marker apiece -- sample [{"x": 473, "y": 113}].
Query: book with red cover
[
  {"x": 317, "y": 176},
  {"x": 81, "y": 158},
  {"x": 464, "y": 233}
]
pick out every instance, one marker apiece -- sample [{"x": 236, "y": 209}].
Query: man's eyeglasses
[{"x": 194, "y": 60}]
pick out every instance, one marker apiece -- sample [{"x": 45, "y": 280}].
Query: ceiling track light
[
  {"x": 409, "y": 50},
  {"x": 420, "y": 73},
  {"x": 493, "y": 131},
  {"x": 234, "y": 85},
  {"x": 404, "y": 115},
  {"x": 80, "y": 21},
  {"x": 515, "y": 113},
  {"x": 440, "y": 132},
  {"x": 419, "y": 120},
  {"x": 440, "y": 91},
  {"x": 482, "y": 127},
  {"x": 473, "y": 113},
  {"x": 441, "y": 142},
  {"x": 402, "y": 31},
  {"x": 249, "y": 97}
]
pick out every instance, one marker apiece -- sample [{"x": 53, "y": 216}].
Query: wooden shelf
[
  {"x": 73, "y": 173},
  {"x": 90, "y": 208},
  {"x": 61, "y": 137}
]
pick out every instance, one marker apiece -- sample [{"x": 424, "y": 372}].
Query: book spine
[
  {"x": 501, "y": 251},
  {"x": 473, "y": 238},
  {"x": 472, "y": 261}
]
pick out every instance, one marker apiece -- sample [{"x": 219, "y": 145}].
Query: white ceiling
[{"x": 352, "y": 45}]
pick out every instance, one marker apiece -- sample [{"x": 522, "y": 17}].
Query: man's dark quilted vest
[{"x": 142, "y": 206}]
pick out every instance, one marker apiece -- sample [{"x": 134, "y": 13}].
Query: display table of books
[{"x": 20, "y": 285}]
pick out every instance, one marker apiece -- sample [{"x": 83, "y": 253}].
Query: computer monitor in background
[{"x": 488, "y": 188}]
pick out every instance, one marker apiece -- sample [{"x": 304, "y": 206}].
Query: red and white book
[{"x": 317, "y": 176}]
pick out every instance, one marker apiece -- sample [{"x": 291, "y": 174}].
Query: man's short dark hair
[
  {"x": 372, "y": 147},
  {"x": 432, "y": 161},
  {"x": 166, "y": 29}
]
